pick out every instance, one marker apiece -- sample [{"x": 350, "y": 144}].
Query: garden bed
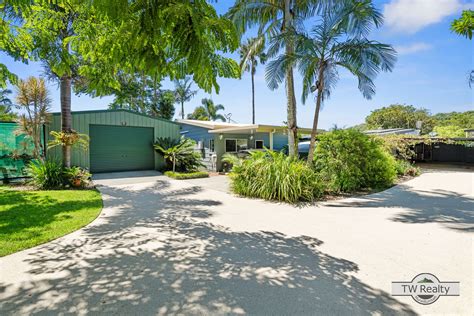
[
  {"x": 29, "y": 218},
  {"x": 187, "y": 175}
]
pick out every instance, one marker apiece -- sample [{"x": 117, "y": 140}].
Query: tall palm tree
[
  {"x": 251, "y": 54},
  {"x": 183, "y": 92},
  {"x": 338, "y": 41},
  {"x": 274, "y": 17}
]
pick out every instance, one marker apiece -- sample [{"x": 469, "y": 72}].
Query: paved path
[{"x": 170, "y": 247}]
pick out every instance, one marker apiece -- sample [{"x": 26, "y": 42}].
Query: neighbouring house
[
  {"x": 214, "y": 139},
  {"x": 120, "y": 140},
  {"x": 394, "y": 131},
  {"x": 469, "y": 133}
]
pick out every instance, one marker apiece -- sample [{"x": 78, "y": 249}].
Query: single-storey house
[
  {"x": 120, "y": 140},
  {"x": 215, "y": 139}
]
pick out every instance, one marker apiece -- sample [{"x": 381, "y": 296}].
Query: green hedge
[
  {"x": 187, "y": 175},
  {"x": 348, "y": 160}
]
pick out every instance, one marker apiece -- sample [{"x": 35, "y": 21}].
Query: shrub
[
  {"x": 187, "y": 175},
  {"x": 178, "y": 154},
  {"x": 46, "y": 174},
  {"x": 348, "y": 160},
  {"x": 275, "y": 176},
  {"x": 77, "y": 176},
  {"x": 405, "y": 168}
]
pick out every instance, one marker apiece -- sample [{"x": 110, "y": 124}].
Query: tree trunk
[
  {"x": 66, "y": 118},
  {"x": 290, "y": 88},
  {"x": 253, "y": 96},
  {"x": 316, "y": 115},
  {"x": 182, "y": 110}
]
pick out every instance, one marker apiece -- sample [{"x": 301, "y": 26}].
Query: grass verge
[
  {"x": 30, "y": 218},
  {"x": 187, "y": 175}
]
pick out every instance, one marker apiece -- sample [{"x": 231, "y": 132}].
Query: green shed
[{"x": 120, "y": 140}]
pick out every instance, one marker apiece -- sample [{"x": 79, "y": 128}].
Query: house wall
[
  {"x": 82, "y": 120},
  {"x": 202, "y": 134}
]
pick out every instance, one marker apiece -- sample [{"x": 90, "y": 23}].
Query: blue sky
[{"x": 431, "y": 72}]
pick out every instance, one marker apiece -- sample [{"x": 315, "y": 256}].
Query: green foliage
[
  {"x": 400, "y": 116},
  {"x": 71, "y": 138},
  {"x": 165, "y": 107},
  {"x": 77, "y": 176},
  {"x": 462, "y": 119},
  {"x": 405, "y": 168},
  {"x": 275, "y": 176},
  {"x": 208, "y": 111},
  {"x": 449, "y": 131},
  {"x": 98, "y": 39},
  {"x": 187, "y": 175},
  {"x": 5, "y": 106},
  {"x": 231, "y": 160},
  {"x": 464, "y": 26},
  {"x": 46, "y": 174},
  {"x": 401, "y": 146},
  {"x": 179, "y": 155},
  {"x": 348, "y": 160}
]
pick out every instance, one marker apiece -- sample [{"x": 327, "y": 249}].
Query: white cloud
[
  {"x": 412, "y": 15},
  {"x": 412, "y": 48}
]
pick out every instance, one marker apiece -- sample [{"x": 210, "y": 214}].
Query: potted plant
[{"x": 77, "y": 177}]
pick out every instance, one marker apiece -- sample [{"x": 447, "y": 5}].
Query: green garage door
[{"x": 120, "y": 148}]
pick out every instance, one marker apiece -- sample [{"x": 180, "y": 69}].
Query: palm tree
[
  {"x": 183, "y": 92},
  {"x": 251, "y": 53},
  {"x": 338, "y": 41},
  {"x": 207, "y": 111},
  {"x": 212, "y": 109},
  {"x": 274, "y": 17}
]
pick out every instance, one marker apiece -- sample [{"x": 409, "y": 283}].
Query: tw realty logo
[{"x": 425, "y": 288}]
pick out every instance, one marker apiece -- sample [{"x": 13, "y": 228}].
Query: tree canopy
[
  {"x": 158, "y": 37},
  {"x": 400, "y": 116}
]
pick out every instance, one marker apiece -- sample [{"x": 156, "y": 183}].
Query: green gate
[{"x": 121, "y": 148}]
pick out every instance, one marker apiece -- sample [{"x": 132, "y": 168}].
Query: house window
[
  {"x": 211, "y": 145},
  {"x": 259, "y": 144},
  {"x": 230, "y": 145},
  {"x": 235, "y": 145}
]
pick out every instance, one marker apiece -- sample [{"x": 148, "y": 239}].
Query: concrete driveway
[{"x": 163, "y": 246}]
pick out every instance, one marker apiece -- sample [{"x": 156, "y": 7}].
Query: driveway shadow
[
  {"x": 450, "y": 209},
  {"x": 155, "y": 255}
]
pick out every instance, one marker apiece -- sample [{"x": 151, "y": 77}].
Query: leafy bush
[
  {"x": 187, "y": 175},
  {"x": 77, "y": 176},
  {"x": 275, "y": 176},
  {"x": 46, "y": 174},
  {"x": 178, "y": 154},
  {"x": 348, "y": 160},
  {"x": 405, "y": 168}
]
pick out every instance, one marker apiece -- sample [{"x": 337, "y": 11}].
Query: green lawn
[{"x": 30, "y": 218}]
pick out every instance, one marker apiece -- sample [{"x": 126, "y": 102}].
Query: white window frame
[
  {"x": 259, "y": 140},
  {"x": 234, "y": 139}
]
